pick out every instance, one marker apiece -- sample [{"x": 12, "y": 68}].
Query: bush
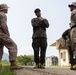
[
  {"x": 25, "y": 60},
  {"x": 5, "y": 70}
]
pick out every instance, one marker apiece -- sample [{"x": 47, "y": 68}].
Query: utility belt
[{"x": 73, "y": 27}]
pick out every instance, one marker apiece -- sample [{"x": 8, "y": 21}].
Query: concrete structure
[
  {"x": 63, "y": 52},
  {"x": 48, "y": 61},
  {"x": 52, "y": 60}
]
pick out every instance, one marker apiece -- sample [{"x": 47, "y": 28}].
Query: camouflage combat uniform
[
  {"x": 73, "y": 31},
  {"x": 5, "y": 39},
  {"x": 39, "y": 37}
]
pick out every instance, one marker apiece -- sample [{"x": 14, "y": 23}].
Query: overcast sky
[{"x": 19, "y": 22}]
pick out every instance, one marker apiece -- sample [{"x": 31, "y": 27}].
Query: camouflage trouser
[
  {"x": 39, "y": 45},
  {"x": 10, "y": 45},
  {"x": 73, "y": 40}
]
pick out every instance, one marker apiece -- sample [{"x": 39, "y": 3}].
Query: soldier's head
[
  {"x": 4, "y": 8},
  {"x": 37, "y": 12},
  {"x": 72, "y": 6}
]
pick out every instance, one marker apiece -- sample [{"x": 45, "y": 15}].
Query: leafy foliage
[
  {"x": 5, "y": 62},
  {"x": 25, "y": 60}
]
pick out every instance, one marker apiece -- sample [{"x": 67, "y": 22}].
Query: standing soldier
[
  {"x": 39, "y": 44},
  {"x": 5, "y": 39},
  {"x": 73, "y": 28}
]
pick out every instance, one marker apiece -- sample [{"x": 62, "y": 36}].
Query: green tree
[
  {"x": 5, "y": 62},
  {"x": 25, "y": 60}
]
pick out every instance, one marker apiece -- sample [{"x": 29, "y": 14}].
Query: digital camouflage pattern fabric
[
  {"x": 39, "y": 27},
  {"x": 5, "y": 39},
  {"x": 73, "y": 31}
]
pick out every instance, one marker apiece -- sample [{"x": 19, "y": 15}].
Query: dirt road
[{"x": 47, "y": 71}]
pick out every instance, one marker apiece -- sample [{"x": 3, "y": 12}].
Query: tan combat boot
[{"x": 13, "y": 66}]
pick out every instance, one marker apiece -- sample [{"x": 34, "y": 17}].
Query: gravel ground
[{"x": 47, "y": 71}]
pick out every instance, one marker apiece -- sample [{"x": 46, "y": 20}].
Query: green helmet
[{"x": 3, "y": 6}]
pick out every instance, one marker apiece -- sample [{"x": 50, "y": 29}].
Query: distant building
[
  {"x": 53, "y": 60},
  {"x": 63, "y": 52}
]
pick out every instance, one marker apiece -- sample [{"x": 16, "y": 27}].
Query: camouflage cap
[
  {"x": 3, "y": 6},
  {"x": 73, "y": 4},
  {"x": 37, "y": 10}
]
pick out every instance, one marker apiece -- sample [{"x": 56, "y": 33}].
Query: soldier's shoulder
[
  {"x": 33, "y": 19},
  {"x": 74, "y": 12},
  {"x": 2, "y": 14},
  {"x": 45, "y": 19}
]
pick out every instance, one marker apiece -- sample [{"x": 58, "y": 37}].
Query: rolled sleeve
[
  {"x": 46, "y": 23},
  {"x": 3, "y": 23},
  {"x": 35, "y": 23}
]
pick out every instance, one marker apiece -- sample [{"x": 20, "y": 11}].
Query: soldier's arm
[
  {"x": 75, "y": 18},
  {"x": 45, "y": 23},
  {"x": 35, "y": 23},
  {"x": 4, "y": 27}
]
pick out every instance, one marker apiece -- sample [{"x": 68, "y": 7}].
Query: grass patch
[{"x": 5, "y": 70}]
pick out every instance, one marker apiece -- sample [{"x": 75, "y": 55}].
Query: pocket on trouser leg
[{"x": 12, "y": 56}]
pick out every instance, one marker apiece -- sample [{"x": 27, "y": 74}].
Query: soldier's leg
[
  {"x": 73, "y": 41},
  {"x": 10, "y": 45},
  {"x": 36, "y": 55},
  {"x": 1, "y": 51},
  {"x": 74, "y": 46},
  {"x": 71, "y": 56},
  {"x": 35, "y": 45},
  {"x": 43, "y": 51},
  {"x": 12, "y": 48}
]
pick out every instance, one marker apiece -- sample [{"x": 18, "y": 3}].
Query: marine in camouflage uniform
[
  {"x": 73, "y": 28},
  {"x": 5, "y": 39},
  {"x": 39, "y": 38}
]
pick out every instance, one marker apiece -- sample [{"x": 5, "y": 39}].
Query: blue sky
[{"x": 19, "y": 22}]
